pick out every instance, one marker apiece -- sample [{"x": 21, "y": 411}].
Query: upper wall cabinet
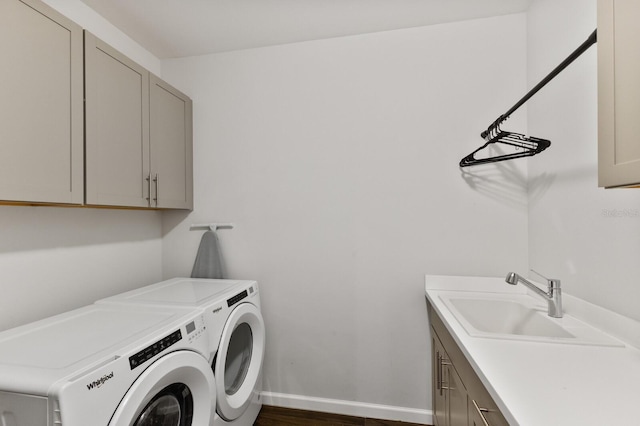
[
  {"x": 618, "y": 93},
  {"x": 171, "y": 136},
  {"x": 41, "y": 118},
  {"x": 117, "y": 127},
  {"x": 138, "y": 134}
]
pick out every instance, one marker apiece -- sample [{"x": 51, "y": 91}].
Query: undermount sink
[
  {"x": 519, "y": 317},
  {"x": 507, "y": 317}
]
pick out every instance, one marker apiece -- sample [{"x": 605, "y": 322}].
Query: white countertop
[{"x": 549, "y": 384}]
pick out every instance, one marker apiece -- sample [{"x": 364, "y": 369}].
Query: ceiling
[{"x": 178, "y": 28}]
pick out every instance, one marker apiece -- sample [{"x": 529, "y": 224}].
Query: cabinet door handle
[
  {"x": 148, "y": 179},
  {"x": 157, "y": 182},
  {"x": 446, "y": 382},
  {"x": 443, "y": 362},
  {"x": 481, "y": 412},
  {"x": 439, "y": 372}
]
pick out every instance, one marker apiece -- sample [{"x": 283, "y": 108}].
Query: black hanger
[{"x": 525, "y": 146}]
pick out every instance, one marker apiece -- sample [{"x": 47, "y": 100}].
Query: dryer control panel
[{"x": 193, "y": 330}]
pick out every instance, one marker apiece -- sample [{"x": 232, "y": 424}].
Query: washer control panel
[
  {"x": 195, "y": 329},
  {"x": 154, "y": 349}
]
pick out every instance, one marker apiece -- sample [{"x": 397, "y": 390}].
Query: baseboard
[{"x": 348, "y": 408}]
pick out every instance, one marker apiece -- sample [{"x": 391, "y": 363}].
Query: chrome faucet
[{"x": 553, "y": 296}]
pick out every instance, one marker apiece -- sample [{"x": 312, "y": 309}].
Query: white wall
[
  {"x": 338, "y": 162},
  {"x": 55, "y": 259},
  {"x": 585, "y": 235},
  {"x": 337, "y": 159}
]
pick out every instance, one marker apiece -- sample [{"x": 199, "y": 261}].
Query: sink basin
[
  {"x": 507, "y": 317},
  {"x": 519, "y": 317}
]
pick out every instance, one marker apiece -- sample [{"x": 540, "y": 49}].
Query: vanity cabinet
[
  {"x": 138, "y": 134},
  {"x": 41, "y": 117},
  {"x": 450, "y": 395},
  {"x": 618, "y": 93},
  {"x": 459, "y": 397}
]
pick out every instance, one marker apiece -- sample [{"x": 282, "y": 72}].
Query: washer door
[
  {"x": 176, "y": 390},
  {"x": 238, "y": 362}
]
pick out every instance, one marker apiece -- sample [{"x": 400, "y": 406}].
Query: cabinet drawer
[{"x": 482, "y": 404}]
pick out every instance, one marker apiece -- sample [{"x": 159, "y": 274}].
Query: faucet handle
[
  {"x": 551, "y": 282},
  {"x": 539, "y": 274}
]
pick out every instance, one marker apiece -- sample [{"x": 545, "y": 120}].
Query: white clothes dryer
[
  {"x": 236, "y": 334},
  {"x": 105, "y": 365}
]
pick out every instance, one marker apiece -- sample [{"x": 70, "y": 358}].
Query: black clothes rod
[{"x": 526, "y": 146}]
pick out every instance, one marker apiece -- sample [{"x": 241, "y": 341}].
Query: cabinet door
[
  {"x": 439, "y": 401},
  {"x": 117, "y": 127},
  {"x": 618, "y": 93},
  {"x": 171, "y": 146},
  {"x": 41, "y": 117},
  {"x": 460, "y": 398},
  {"x": 457, "y": 399},
  {"x": 449, "y": 393}
]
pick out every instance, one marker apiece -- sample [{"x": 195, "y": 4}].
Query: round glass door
[
  {"x": 239, "y": 360},
  {"x": 173, "y": 406},
  {"x": 187, "y": 389}
]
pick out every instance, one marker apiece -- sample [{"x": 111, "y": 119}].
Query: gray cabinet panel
[
  {"x": 171, "y": 146},
  {"x": 439, "y": 394},
  {"x": 117, "y": 127},
  {"x": 74, "y": 134},
  {"x": 138, "y": 134},
  {"x": 41, "y": 117},
  {"x": 459, "y": 397},
  {"x": 618, "y": 93},
  {"x": 457, "y": 403}
]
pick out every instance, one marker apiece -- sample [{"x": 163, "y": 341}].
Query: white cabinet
[
  {"x": 138, "y": 134},
  {"x": 41, "y": 117},
  {"x": 618, "y": 93}
]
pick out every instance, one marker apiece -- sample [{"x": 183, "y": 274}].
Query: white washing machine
[
  {"x": 105, "y": 365},
  {"x": 235, "y": 331}
]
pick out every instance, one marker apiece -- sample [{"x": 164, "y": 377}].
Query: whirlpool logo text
[{"x": 97, "y": 383}]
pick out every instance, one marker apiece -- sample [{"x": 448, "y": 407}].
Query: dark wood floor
[{"x": 276, "y": 416}]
